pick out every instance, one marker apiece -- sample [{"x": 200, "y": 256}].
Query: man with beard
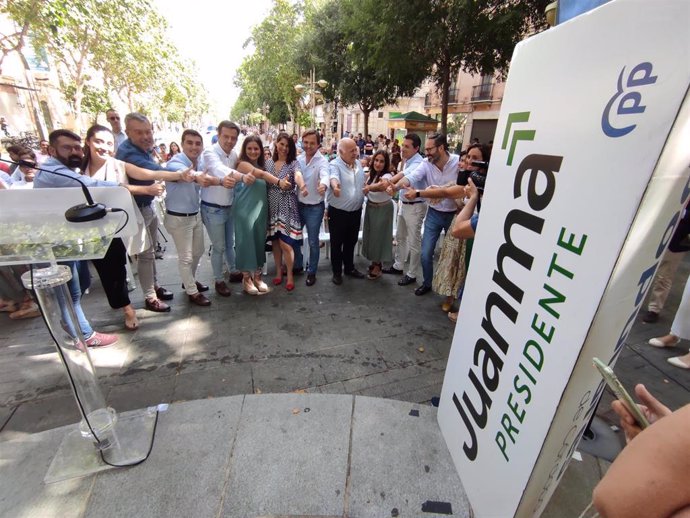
[
  {"x": 440, "y": 168},
  {"x": 66, "y": 155}
]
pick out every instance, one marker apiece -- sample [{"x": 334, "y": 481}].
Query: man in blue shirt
[
  {"x": 182, "y": 218},
  {"x": 66, "y": 155},
  {"x": 408, "y": 234},
  {"x": 137, "y": 150}
]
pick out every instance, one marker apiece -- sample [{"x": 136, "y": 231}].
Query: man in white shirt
[
  {"x": 42, "y": 154},
  {"x": 216, "y": 201},
  {"x": 410, "y": 218},
  {"x": 345, "y": 199},
  {"x": 116, "y": 125},
  {"x": 440, "y": 168},
  {"x": 314, "y": 169}
]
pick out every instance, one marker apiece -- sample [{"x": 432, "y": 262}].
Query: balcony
[{"x": 482, "y": 92}]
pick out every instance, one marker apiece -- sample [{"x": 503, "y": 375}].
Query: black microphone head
[{"x": 85, "y": 212}]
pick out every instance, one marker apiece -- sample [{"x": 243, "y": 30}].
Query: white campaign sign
[{"x": 588, "y": 177}]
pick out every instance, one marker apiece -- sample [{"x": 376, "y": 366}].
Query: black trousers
[
  {"x": 344, "y": 228},
  {"x": 111, "y": 269}
]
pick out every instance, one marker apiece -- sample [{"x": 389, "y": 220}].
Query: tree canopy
[
  {"x": 373, "y": 51},
  {"x": 114, "y": 46}
]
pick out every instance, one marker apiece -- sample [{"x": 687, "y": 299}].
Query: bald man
[{"x": 345, "y": 200}]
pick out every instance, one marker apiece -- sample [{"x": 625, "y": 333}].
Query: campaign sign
[{"x": 587, "y": 181}]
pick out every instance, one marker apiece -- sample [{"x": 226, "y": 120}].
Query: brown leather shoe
[
  {"x": 235, "y": 276},
  {"x": 199, "y": 286},
  {"x": 164, "y": 294},
  {"x": 156, "y": 305},
  {"x": 222, "y": 289},
  {"x": 199, "y": 299}
]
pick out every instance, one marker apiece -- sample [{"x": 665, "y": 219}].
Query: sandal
[
  {"x": 453, "y": 317},
  {"x": 131, "y": 322},
  {"x": 260, "y": 284},
  {"x": 375, "y": 271},
  {"x": 447, "y": 305},
  {"x": 26, "y": 311},
  {"x": 248, "y": 286}
]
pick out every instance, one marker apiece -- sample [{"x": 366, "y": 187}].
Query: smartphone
[{"x": 614, "y": 384}]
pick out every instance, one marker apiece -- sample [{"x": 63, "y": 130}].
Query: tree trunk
[
  {"x": 445, "y": 95},
  {"x": 366, "y": 112}
]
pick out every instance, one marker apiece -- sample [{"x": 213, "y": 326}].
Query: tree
[
  {"x": 472, "y": 35},
  {"x": 345, "y": 41},
  {"x": 269, "y": 74},
  {"x": 122, "y": 39}
]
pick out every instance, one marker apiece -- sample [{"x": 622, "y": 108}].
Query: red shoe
[
  {"x": 277, "y": 281},
  {"x": 289, "y": 286}
]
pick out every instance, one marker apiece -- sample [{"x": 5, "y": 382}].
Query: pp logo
[{"x": 628, "y": 100}]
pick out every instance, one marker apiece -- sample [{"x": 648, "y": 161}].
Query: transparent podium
[{"x": 41, "y": 238}]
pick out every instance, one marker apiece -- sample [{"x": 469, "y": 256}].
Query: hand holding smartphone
[{"x": 617, "y": 387}]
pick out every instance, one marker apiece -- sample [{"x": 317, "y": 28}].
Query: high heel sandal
[
  {"x": 248, "y": 286},
  {"x": 260, "y": 284}
]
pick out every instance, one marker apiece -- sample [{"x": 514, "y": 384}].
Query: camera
[{"x": 478, "y": 176}]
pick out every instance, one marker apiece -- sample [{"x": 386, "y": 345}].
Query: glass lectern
[{"x": 42, "y": 238}]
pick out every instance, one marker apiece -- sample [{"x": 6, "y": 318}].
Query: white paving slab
[
  {"x": 400, "y": 464},
  {"x": 184, "y": 476},
  {"x": 290, "y": 457},
  {"x": 306, "y": 455},
  {"x": 24, "y": 461}
]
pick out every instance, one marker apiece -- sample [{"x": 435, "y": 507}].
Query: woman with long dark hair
[
  {"x": 99, "y": 163},
  {"x": 377, "y": 234},
  {"x": 250, "y": 215},
  {"x": 284, "y": 224},
  {"x": 173, "y": 149}
]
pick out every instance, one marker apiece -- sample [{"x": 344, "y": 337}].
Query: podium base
[{"x": 78, "y": 456}]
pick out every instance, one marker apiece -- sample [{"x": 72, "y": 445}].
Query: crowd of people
[
  {"x": 273, "y": 191},
  {"x": 255, "y": 190},
  {"x": 276, "y": 191}
]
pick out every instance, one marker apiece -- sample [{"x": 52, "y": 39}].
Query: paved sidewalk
[{"x": 361, "y": 338}]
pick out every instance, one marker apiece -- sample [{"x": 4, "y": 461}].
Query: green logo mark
[{"x": 518, "y": 134}]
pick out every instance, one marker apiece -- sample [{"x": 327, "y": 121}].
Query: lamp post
[{"x": 312, "y": 91}]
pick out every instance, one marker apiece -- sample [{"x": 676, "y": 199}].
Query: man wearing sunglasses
[{"x": 115, "y": 123}]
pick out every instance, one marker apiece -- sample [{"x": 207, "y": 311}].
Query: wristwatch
[{"x": 418, "y": 193}]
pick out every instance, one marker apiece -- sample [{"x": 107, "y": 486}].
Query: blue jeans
[
  {"x": 221, "y": 232},
  {"x": 311, "y": 216},
  {"x": 75, "y": 294},
  {"x": 434, "y": 223}
]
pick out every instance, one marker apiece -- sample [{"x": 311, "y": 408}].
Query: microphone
[{"x": 89, "y": 211}]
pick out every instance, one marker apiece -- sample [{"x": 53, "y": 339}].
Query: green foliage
[
  {"x": 124, "y": 40},
  {"x": 94, "y": 100},
  {"x": 268, "y": 76},
  {"x": 471, "y": 35}
]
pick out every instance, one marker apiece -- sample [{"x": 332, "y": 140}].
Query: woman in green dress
[{"x": 250, "y": 213}]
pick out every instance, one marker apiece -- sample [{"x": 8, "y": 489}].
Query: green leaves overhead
[
  {"x": 374, "y": 51},
  {"x": 118, "y": 46}
]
